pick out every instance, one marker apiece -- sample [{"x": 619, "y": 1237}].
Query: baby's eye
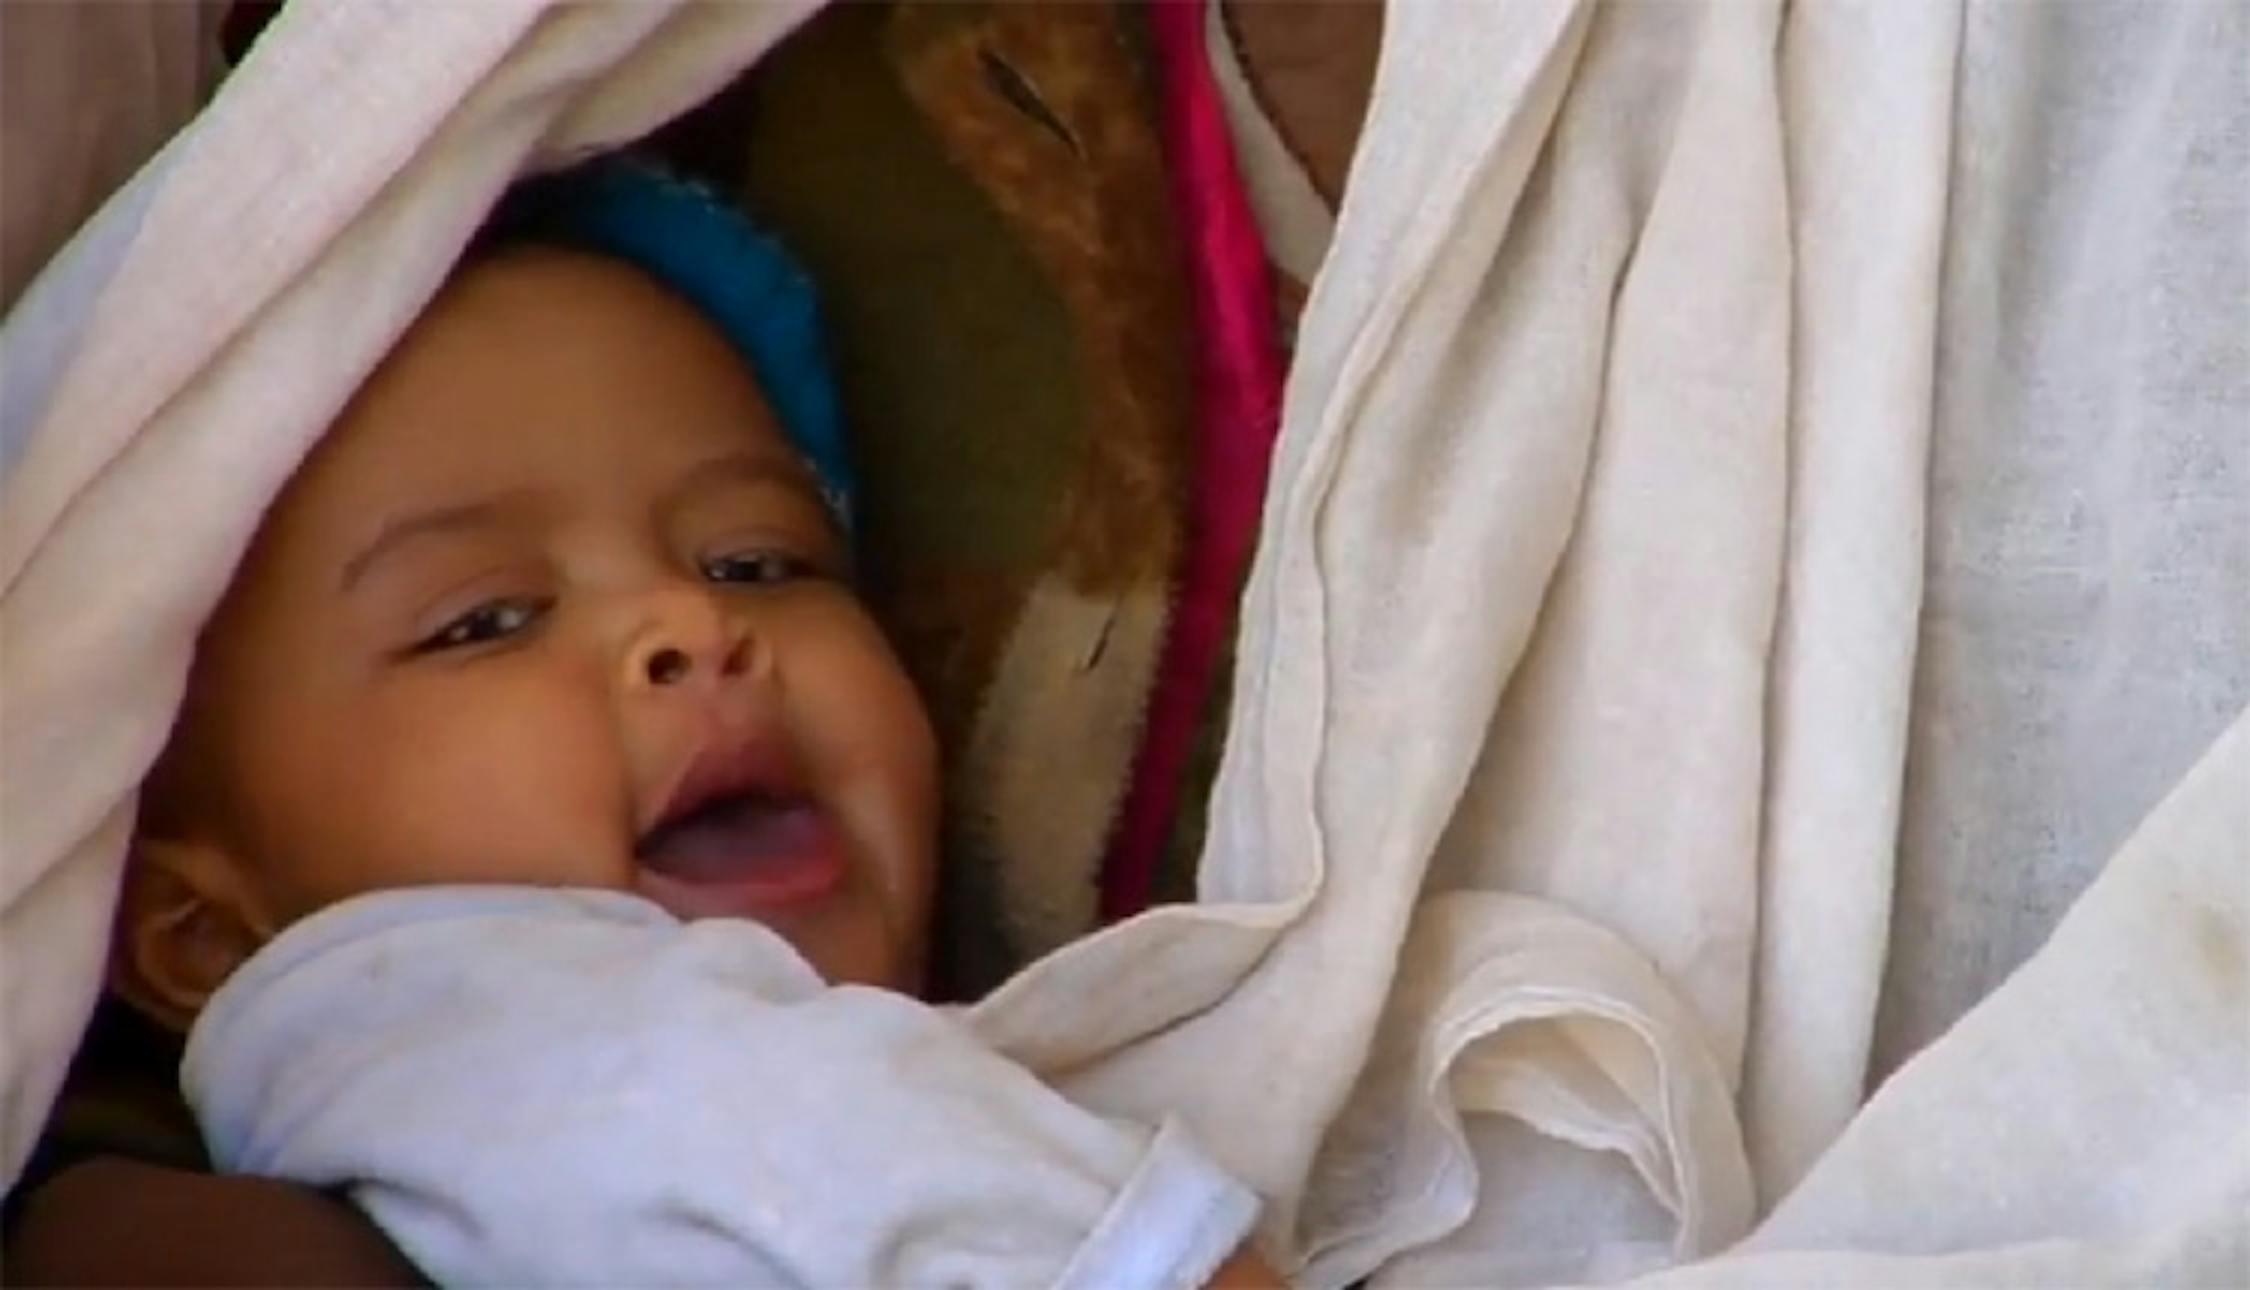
[
  {"x": 493, "y": 620},
  {"x": 759, "y": 568}
]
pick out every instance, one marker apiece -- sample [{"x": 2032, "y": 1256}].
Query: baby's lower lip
[{"x": 766, "y": 862}]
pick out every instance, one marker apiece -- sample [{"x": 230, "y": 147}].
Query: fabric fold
[
  {"x": 1869, "y": 141},
  {"x": 1512, "y": 1007}
]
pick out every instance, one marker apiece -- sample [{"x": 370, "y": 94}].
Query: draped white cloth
[{"x": 1763, "y": 508}]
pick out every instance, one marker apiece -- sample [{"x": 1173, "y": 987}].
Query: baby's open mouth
[{"x": 741, "y": 836}]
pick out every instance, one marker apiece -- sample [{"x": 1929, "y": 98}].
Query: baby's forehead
[
  {"x": 537, "y": 368},
  {"x": 541, "y": 293}
]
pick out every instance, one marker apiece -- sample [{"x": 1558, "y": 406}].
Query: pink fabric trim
[{"x": 1238, "y": 411}]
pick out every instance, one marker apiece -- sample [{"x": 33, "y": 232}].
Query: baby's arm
[
  {"x": 525, "y": 1086},
  {"x": 109, "y": 1221},
  {"x": 117, "y": 1222}
]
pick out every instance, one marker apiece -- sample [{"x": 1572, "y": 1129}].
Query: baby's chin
[
  {"x": 853, "y": 943},
  {"x": 845, "y": 934},
  {"x": 871, "y": 961}
]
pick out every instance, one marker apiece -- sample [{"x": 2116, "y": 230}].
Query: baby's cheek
[
  {"x": 506, "y": 784},
  {"x": 888, "y": 762}
]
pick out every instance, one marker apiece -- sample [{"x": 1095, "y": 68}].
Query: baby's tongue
[{"x": 741, "y": 838}]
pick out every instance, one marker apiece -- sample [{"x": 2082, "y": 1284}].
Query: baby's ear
[{"x": 185, "y": 921}]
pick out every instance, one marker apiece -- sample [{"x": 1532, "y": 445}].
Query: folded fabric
[{"x": 570, "y": 1087}]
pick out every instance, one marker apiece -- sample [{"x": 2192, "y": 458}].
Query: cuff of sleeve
[{"x": 1173, "y": 1223}]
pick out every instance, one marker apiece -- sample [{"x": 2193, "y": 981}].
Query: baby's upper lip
[{"x": 728, "y": 764}]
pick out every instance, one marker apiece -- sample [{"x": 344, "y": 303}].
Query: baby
[{"x": 543, "y": 801}]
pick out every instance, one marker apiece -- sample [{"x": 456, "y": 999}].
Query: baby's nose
[{"x": 684, "y": 638}]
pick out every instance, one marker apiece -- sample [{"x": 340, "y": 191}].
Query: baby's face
[{"x": 555, "y": 603}]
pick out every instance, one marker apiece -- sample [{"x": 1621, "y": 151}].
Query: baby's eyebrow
[
  {"x": 421, "y": 524},
  {"x": 741, "y": 468}
]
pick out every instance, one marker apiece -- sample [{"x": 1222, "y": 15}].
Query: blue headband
[{"x": 684, "y": 236}]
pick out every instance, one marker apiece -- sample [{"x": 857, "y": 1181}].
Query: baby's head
[{"x": 557, "y": 601}]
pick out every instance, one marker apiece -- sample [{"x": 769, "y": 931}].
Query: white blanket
[
  {"x": 1594, "y": 712},
  {"x": 573, "y": 1088}
]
